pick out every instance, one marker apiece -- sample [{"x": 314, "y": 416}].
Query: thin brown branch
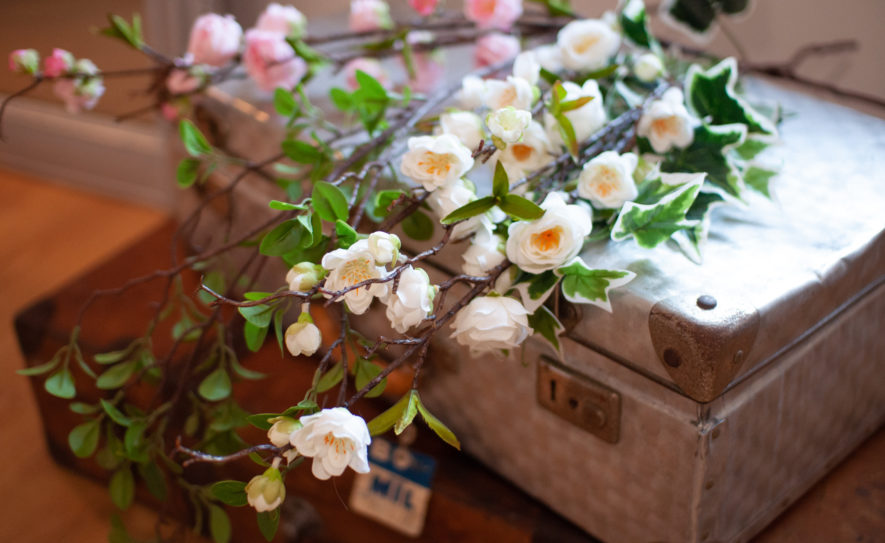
[{"x": 199, "y": 456}]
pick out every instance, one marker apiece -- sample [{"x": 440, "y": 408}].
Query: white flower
[
  {"x": 485, "y": 252},
  {"x": 473, "y": 89},
  {"x": 436, "y": 161},
  {"x": 412, "y": 301},
  {"x": 549, "y": 57},
  {"x": 450, "y": 198},
  {"x": 489, "y": 323},
  {"x": 551, "y": 240},
  {"x": 335, "y": 438},
  {"x": 526, "y": 66},
  {"x": 384, "y": 247},
  {"x": 666, "y": 123},
  {"x": 280, "y": 433},
  {"x": 586, "y": 119},
  {"x": 266, "y": 492},
  {"x": 350, "y": 266},
  {"x": 508, "y": 123},
  {"x": 587, "y": 45},
  {"x": 304, "y": 275},
  {"x": 286, "y": 20},
  {"x": 515, "y": 92},
  {"x": 607, "y": 180},
  {"x": 648, "y": 67},
  {"x": 303, "y": 337},
  {"x": 527, "y": 156},
  {"x": 465, "y": 125}
]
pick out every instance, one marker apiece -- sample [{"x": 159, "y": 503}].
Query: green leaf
[
  {"x": 711, "y": 93},
  {"x": 691, "y": 239},
  {"x": 133, "y": 441},
  {"x": 437, "y": 426},
  {"x": 215, "y": 386},
  {"x": 120, "y": 29},
  {"x": 634, "y": 23},
  {"x": 244, "y": 372},
  {"x": 194, "y": 141},
  {"x": 268, "y": 522},
  {"x": 83, "y": 408},
  {"x": 301, "y": 152},
  {"x": 341, "y": 99},
  {"x": 230, "y": 492},
  {"x": 386, "y": 420},
  {"x": 153, "y": 478},
  {"x": 303, "y": 405},
  {"x": 557, "y": 8},
  {"x": 254, "y": 336},
  {"x": 583, "y": 285},
  {"x": 284, "y": 102},
  {"x": 544, "y": 322},
  {"x": 474, "y": 208},
  {"x": 574, "y": 104},
  {"x": 115, "y": 414},
  {"x": 408, "y": 413},
  {"x": 548, "y": 76},
  {"x": 278, "y": 326},
  {"x": 652, "y": 224},
  {"x": 118, "y": 533},
  {"x": 284, "y": 238},
  {"x": 418, "y": 226},
  {"x": 699, "y": 15},
  {"x": 520, "y": 208},
  {"x": 347, "y": 236},
  {"x": 331, "y": 378},
  {"x": 61, "y": 384},
  {"x": 383, "y": 199},
  {"x": 41, "y": 369},
  {"x": 261, "y": 420},
  {"x": 187, "y": 172},
  {"x": 285, "y": 206},
  {"x": 370, "y": 86},
  {"x": 708, "y": 154},
  {"x": 329, "y": 202},
  {"x": 117, "y": 375},
  {"x": 219, "y": 524},
  {"x": 567, "y": 131},
  {"x": 259, "y": 315},
  {"x": 83, "y": 439},
  {"x": 758, "y": 179},
  {"x": 751, "y": 147},
  {"x": 122, "y": 487},
  {"x": 500, "y": 184},
  {"x": 365, "y": 372}
]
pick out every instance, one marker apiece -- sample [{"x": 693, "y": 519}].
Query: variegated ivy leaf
[
  {"x": 697, "y": 16},
  {"x": 708, "y": 153},
  {"x": 651, "y": 224},
  {"x": 583, "y": 285},
  {"x": 535, "y": 289},
  {"x": 691, "y": 240},
  {"x": 544, "y": 322},
  {"x": 758, "y": 179},
  {"x": 711, "y": 94},
  {"x": 634, "y": 22}
]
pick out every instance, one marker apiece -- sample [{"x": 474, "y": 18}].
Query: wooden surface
[{"x": 52, "y": 235}]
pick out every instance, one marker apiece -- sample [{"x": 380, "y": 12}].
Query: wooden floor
[{"x": 51, "y": 234}]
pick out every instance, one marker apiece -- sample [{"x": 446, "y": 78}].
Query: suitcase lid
[{"x": 771, "y": 271}]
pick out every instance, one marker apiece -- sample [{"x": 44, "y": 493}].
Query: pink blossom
[
  {"x": 494, "y": 48},
  {"x": 429, "y": 72},
  {"x": 169, "y": 111},
  {"x": 369, "y": 65},
  {"x": 214, "y": 39},
  {"x": 182, "y": 82},
  {"x": 24, "y": 60},
  {"x": 493, "y": 13},
  {"x": 286, "y": 20},
  {"x": 58, "y": 63},
  {"x": 79, "y": 94},
  {"x": 423, "y": 7},
  {"x": 271, "y": 62},
  {"x": 368, "y": 15}
]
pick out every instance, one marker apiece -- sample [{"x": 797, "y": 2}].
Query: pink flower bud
[
  {"x": 271, "y": 62},
  {"x": 367, "y": 15},
  {"x": 494, "y": 48},
  {"x": 169, "y": 111},
  {"x": 181, "y": 81},
  {"x": 493, "y": 13},
  {"x": 369, "y": 65},
  {"x": 25, "y": 61},
  {"x": 423, "y": 7},
  {"x": 79, "y": 94},
  {"x": 286, "y": 20},
  {"x": 58, "y": 63},
  {"x": 214, "y": 39}
]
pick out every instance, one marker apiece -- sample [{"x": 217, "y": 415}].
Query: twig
[{"x": 199, "y": 456}]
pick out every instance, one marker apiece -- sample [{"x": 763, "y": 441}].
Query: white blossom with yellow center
[
  {"x": 551, "y": 240},
  {"x": 335, "y": 439},
  {"x": 348, "y": 267},
  {"x": 666, "y": 123},
  {"x": 587, "y": 44},
  {"x": 607, "y": 179},
  {"x": 514, "y": 92},
  {"x": 529, "y": 155},
  {"x": 436, "y": 161}
]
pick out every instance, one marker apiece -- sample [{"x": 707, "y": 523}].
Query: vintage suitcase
[{"x": 714, "y": 395}]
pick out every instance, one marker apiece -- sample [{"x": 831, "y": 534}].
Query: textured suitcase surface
[{"x": 723, "y": 410}]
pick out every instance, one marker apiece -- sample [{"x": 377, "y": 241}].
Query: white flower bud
[
  {"x": 412, "y": 301},
  {"x": 384, "y": 247},
  {"x": 266, "y": 492},
  {"x": 648, "y": 67},
  {"x": 304, "y": 276},
  {"x": 303, "y": 337},
  {"x": 508, "y": 124}
]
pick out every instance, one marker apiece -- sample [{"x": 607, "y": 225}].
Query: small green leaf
[
  {"x": 520, "y": 208},
  {"x": 301, "y": 152},
  {"x": 574, "y": 104},
  {"x": 83, "y": 408},
  {"x": 122, "y": 487},
  {"x": 254, "y": 336},
  {"x": 437, "y": 426},
  {"x": 268, "y": 522},
  {"x": 347, "y": 236},
  {"x": 41, "y": 369},
  {"x": 758, "y": 179},
  {"x": 61, "y": 384},
  {"x": 474, "y": 208},
  {"x": 500, "y": 183},
  {"x": 365, "y": 372},
  {"x": 285, "y": 206},
  {"x": 583, "y": 285},
  {"x": 194, "y": 141},
  {"x": 284, "y": 238},
  {"x": 259, "y": 315},
  {"x": 386, "y": 420},
  {"x": 418, "y": 226},
  {"x": 634, "y": 23},
  {"x": 341, "y": 99},
  {"x": 331, "y": 378},
  {"x": 83, "y": 439},
  {"x": 383, "y": 199},
  {"x": 215, "y": 386},
  {"x": 652, "y": 224},
  {"x": 409, "y": 412},
  {"x": 261, "y": 420},
  {"x": 116, "y": 376},
  {"x": 329, "y": 202},
  {"x": 219, "y": 524},
  {"x": 112, "y": 357},
  {"x": 548, "y": 76},
  {"x": 750, "y": 148},
  {"x": 303, "y": 405},
  {"x": 118, "y": 532},
  {"x": 544, "y": 322},
  {"x": 133, "y": 441},
  {"x": 153, "y": 478},
  {"x": 187, "y": 172},
  {"x": 567, "y": 131},
  {"x": 284, "y": 102},
  {"x": 244, "y": 372},
  {"x": 230, "y": 492},
  {"x": 278, "y": 327},
  {"x": 115, "y": 414}
]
